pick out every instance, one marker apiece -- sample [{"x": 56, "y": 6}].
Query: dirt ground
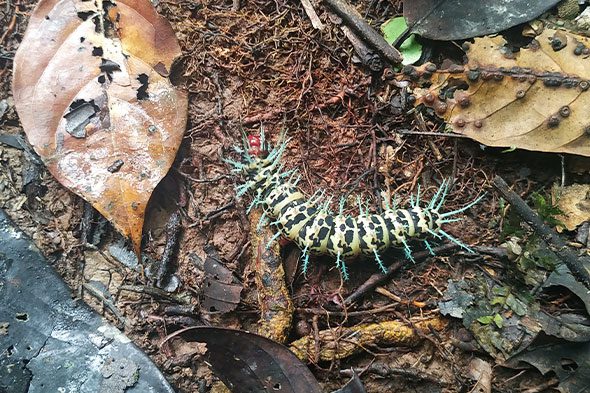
[{"x": 265, "y": 65}]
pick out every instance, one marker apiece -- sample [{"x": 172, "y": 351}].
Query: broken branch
[{"x": 549, "y": 236}]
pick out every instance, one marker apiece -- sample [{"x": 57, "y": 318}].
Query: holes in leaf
[
  {"x": 142, "y": 93},
  {"x": 80, "y": 114},
  {"x": 10, "y": 351},
  {"x": 452, "y": 86},
  {"x": 84, "y": 15},
  {"x": 108, "y": 27},
  {"x": 22, "y": 316},
  {"x": 97, "y": 51},
  {"x": 569, "y": 364},
  {"x": 108, "y": 66}
]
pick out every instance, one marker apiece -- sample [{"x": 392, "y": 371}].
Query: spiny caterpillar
[{"x": 315, "y": 229}]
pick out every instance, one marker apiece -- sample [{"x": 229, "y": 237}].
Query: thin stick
[
  {"x": 379, "y": 279},
  {"x": 104, "y": 300},
  {"x": 554, "y": 243},
  {"x": 365, "y": 32},
  {"x": 312, "y": 15},
  {"x": 152, "y": 291}
]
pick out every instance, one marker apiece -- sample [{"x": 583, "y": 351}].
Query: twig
[
  {"x": 312, "y": 15},
  {"x": 428, "y": 133},
  {"x": 9, "y": 29},
  {"x": 386, "y": 371},
  {"x": 152, "y": 291},
  {"x": 366, "y": 54},
  {"x": 549, "y": 236},
  {"x": 360, "y": 313},
  {"x": 103, "y": 299},
  {"x": 378, "y": 279},
  {"x": 261, "y": 117},
  {"x": 364, "y": 31}
]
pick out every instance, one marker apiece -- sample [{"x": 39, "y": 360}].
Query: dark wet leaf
[
  {"x": 570, "y": 327},
  {"x": 247, "y": 362},
  {"x": 220, "y": 293},
  {"x": 563, "y": 277},
  {"x": 48, "y": 340},
  {"x": 569, "y": 361},
  {"x": 486, "y": 310},
  {"x": 354, "y": 385},
  {"x": 459, "y": 19}
]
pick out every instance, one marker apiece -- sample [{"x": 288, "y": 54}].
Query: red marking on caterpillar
[{"x": 254, "y": 144}]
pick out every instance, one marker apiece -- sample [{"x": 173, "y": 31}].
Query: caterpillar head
[
  {"x": 260, "y": 165},
  {"x": 254, "y": 146}
]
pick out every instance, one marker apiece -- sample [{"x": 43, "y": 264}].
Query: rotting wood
[
  {"x": 339, "y": 343},
  {"x": 274, "y": 299}
]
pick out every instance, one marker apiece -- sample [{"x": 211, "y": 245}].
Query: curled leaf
[
  {"x": 92, "y": 91},
  {"x": 246, "y": 362}
]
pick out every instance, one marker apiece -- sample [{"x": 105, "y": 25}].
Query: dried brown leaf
[
  {"x": 92, "y": 91},
  {"x": 574, "y": 202},
  {"x": 534, "y": 99}
]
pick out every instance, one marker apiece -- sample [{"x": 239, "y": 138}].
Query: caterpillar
[{"x": 310, "y": 224}]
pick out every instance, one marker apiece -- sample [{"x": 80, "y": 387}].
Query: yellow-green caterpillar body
[{"x": 315, "y": 229}]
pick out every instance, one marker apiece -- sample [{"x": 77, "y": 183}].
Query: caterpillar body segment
[{"x": 316, "y": 230}]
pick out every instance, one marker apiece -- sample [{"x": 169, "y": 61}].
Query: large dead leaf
[
  {"x": 92, "y": 91},
  {"x": 534, "y": 99}
]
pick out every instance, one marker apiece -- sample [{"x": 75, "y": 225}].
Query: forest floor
[{"x": 265, "y": 66}]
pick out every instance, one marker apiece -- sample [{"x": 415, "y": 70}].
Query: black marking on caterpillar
[{"x": 315, "y": 229}]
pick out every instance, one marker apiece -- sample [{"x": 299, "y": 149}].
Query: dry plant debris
[
  {"x": 92, "y": 92},
  {"x": 533, "y": 99},
  {"x": 341, "y": 342},
  {"x": 574, "y": 202}
]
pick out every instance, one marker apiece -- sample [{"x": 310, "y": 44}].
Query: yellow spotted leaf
[
  {"x": 92, "y": 91},
  {"x": 536, "y": 98}
]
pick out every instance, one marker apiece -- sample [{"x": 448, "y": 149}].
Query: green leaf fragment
[
  {"x": 411, "y": 49},
  {"x": 519, "y": 307},
  {"x": 499, "y": 321},
  {"x": 486, "y": 319}
]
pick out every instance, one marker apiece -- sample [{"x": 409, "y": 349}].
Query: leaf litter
[{"x": 328, "y": 109}]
